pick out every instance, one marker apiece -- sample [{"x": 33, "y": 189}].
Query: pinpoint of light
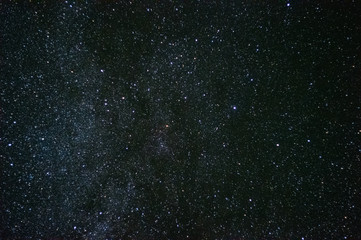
[
  {"x": 288, "y": 4},
  {"x": 234, "y": 107}
]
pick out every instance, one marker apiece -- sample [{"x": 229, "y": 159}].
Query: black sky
[{"x": 180, "y": 119}]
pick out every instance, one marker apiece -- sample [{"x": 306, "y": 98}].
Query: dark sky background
[{"x": 180, "y": 119}]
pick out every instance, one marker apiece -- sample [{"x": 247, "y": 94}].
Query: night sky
[{"x": 180, "y": 119}]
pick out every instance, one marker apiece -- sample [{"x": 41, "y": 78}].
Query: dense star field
[{"x": 180, "y": 119}]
